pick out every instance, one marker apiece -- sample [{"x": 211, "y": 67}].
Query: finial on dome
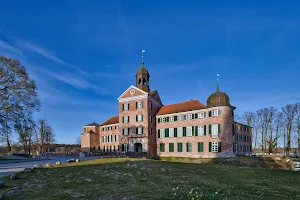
[
  {"x": 218, "y": 75},
  {"x": 143, "y": 51}
]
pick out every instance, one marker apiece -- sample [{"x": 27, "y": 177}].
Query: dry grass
[{"x": 152, "y": 179}]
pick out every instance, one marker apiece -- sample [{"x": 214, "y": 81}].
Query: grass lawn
[{"x": 123, "y": 178}]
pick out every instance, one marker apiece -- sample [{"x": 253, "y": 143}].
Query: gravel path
[{"x": 10, "y": 168}]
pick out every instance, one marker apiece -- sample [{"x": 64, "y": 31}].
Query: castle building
[{"x": 186, "y": 129}]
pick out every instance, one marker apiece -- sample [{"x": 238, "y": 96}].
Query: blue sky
[{"x": 84, "y": 54}]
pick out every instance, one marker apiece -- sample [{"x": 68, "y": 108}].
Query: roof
[
  {"x": 112, "y": 120},
  {"x": 151, "y": 92},
  {"x": 181, "y": 107},
  {"x": 91, "y": 132},
  {"x": 92, "y": 124}
]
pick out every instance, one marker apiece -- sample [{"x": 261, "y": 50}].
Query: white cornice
[
  {"x": 109, "y": 125},
  {"x": 133, "y": 98}
]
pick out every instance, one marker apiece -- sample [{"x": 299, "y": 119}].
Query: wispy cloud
[{"x": 10, "y": 48}]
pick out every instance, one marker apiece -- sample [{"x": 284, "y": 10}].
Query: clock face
[{"x": 132, "y": 92}]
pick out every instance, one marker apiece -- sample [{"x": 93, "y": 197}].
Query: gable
[{"x": 132, "y": 91}]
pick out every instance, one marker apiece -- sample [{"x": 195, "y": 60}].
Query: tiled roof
[
  {"x": 93, "y": 124},
  {"x": 112, "y": 120},
  {"x": 181, "y": 107}
]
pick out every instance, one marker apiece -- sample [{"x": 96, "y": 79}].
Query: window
[
  {"x": 125, "y": 119},
  {"x": 171, "y": 132},
  {"x": 171, "y": 147},
  {"x": 124, "y": 147},
  {"x": 150, "y": 131},
  {"x": 179, "y": 147},
  {"x": 139, "y": 104},
  {"x": 215, "y": 130},
  {"x": 150, "y": 105},
  {"x": 200, "y": 147},
  {"x": 116, "y": 138},
  {"x": 126, "y": 106},
  {"x": 116, "y": 127},
  {"x": 214, "y": 146},
  {"x": 189, "y": 116},
  {"x": 171, "y": 118},
  {"x": 162, "y": 119},
  {"x": 139, "y": 118},
  {"x": 105, "y": 148},
  {"x": 103, "y": 129},
  {"x": 201, "y": 115},
  {"x": 112, "y": 148},
  {"x": 188, "y": 147},
  {"x": 150, "y": 118},
  {"x": 140, "y": 130},
  {"x": 189, "y": 131},
  {"x": 104, "y": 139},
  {"x": 125, "y": 131},
  {"x": 180, "y": 118},
  {"x": 202, "y": 130},
  {"x": 179, "y": 132},
  {"x": 162, "y": 133},
  {"x": 215, "y": 113},
  {"x": 162, "y": 147}
]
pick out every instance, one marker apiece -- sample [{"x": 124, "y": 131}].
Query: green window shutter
[
  {"x": 175, "y": 118},
  {"x": 196, "y": 115},
  {"x": 158, "y": 133},
  {"x": 209, "y": 147},
  {"x": 232, "y": 129},
  {"x": 193, "y": 116},
  {"x": 200, "y": 146},
  {"x": 128, "y": 106},
  {"x": 122, "y": 106},
  {"x": 219, "y": 128},
  {"x": 179, "y": 147},
  {"x": 166, "y": 132},
  {"x": 209, "y": 129},
  {"x": 193, "y": 130},
  {"x": 123, "y": 119},
  {"x": 204, "y": 129},
  {"x": 175, "y": 132},
  {"x": 171, "y": 147},
  {"x": 196, "y": 130},
  {"x": 136, "y": 105},
  {"x": 162, "y": 147},
  {"x": 136, "y": 118},
  {"x": 184, "y": 131},
  {"x": 128, "y": 118},
  {"x": 219, "y": 147},
  {"x": 209, "y": 113},
  {"x": 167, "y": 119},
  {"x": 142, "y": 118},
  {"x": 187, "y": 147},
  {"x": 158, "y": 120}
]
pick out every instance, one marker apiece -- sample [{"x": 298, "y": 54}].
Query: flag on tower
[{"x": 143, "y": 51}]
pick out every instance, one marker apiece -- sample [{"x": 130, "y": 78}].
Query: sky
[{"x": 84, "y": 54}]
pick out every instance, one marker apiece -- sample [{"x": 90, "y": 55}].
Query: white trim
[
  {"x": 183, "y": 113},
  {"x": 131, "y": 87},
  {"x": 134, "y": 98},
  {"x": 90, "y": 126}
]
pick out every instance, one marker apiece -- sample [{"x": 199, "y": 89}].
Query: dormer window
[
  {"x": 215, "y": 113},
  {"x": 201, "y": 115}
]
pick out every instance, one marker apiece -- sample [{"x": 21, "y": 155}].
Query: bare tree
[
  {"x": 289, "y": 112},
  {"x": 18, "y": 97},
  {"x": 45, "y": 135},
  {"x": 278, "y": 128},
  {"x": 270, "y": 124},
  {"x": 297, "y": 125}
]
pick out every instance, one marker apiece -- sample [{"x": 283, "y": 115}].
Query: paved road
[{"x": 10, "y": 168}]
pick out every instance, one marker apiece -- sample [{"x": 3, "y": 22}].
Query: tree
[
  {"x": 18, "y": 96},
  {"x": 289, "y": 112},
  {"x": 278, "y": 128},
  {"x": 25, "y": 130},
  {"x": 297, "y": 125},
  {"x": 45, "y": 135}
]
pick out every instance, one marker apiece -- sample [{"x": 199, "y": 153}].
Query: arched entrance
[{"x": 138, "y": 147}]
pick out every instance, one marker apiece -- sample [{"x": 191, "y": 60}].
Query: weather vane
[{"x": 143, "y": 51}]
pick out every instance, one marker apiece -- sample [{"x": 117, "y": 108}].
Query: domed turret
[
  {"x": 142, "y": 78},
  {"x": 218, "y": 99}
]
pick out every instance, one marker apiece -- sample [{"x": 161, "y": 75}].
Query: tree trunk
[{"x": 8, "y": 144}]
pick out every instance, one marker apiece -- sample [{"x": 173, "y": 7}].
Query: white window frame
[
  {"x": 201, "y": 130},
  {"x": 140, "y": 104},
  {"x": 201, "y": 115},
  {"x": 117, "y": 138},
  {"x": 125, "y": 147},
  {"x": 140, "y": 118},
  {"x": 126, "y": 131},
  {"x": 171, "y": 132},
  {"x": 162, "y": 133},
  {"x": 214, "y": 131},
  {"x": 171, "y": 118},
  {"x": 189, "y": 116},
  {"x": 214, "y": 146},
  {"x": 179, "y": 132},
  {"x": 140, "y": 130},
  {"x": 215, "y": 113},
  {"x": 126, "y": 106},
  {"x": 112, "y": 148},
  {"x": 180, "y": 117},
  {"x": 189, "y": 132},
  {"x": 162, "y": 119}
]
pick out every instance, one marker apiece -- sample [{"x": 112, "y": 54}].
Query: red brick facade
[{"x": 187, "y": 129}]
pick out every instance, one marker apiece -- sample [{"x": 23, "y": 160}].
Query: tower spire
[
  {"x": 143, "y": 51},
  {"x": 218, "y": 75}
]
